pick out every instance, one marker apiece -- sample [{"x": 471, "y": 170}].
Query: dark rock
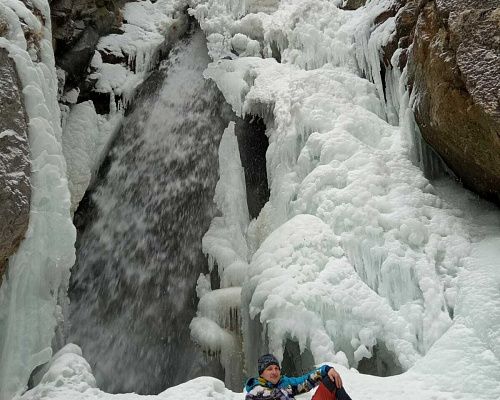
[
  {"x": 444, "y": 7},
  {"x": 407, "y": 16},
  {"x": 77, "y": 26},
  {"x": 353, "y": 4},
  {"x": 452, "y": 48},
  {"x": 406, "y": 13},
  {"x": 475, "y": 36},
  {"x": 76, "y": 61},
  {"x": 15, "y": 190}
]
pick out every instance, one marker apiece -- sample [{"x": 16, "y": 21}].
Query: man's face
[{"x": 272, "y": 374}]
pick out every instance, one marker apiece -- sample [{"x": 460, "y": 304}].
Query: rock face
[
  {"x": 15, "y": 191},
  {"x": 77, "y": 26},
  {"x": 353, "y": 4},
  {"x": 453, "y": 70}
]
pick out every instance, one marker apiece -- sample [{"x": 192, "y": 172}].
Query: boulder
[
  {"x": 77, "y": 26},
  {"x": 15, "y": 190},
  {"x": 453, "y": 68},
  {"x": 452, "y": 49}
]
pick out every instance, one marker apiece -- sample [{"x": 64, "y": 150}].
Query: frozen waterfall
[
  {"x": 354, "y": 251},
  {"x": 139, "y": 247}
]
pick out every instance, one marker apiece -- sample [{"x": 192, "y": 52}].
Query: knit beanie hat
[{"x": 265, "y": 361}]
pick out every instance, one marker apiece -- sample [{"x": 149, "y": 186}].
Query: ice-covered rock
[
  {"x": 454, "y": 67},
  {"x": 35, "y": 288},
  {"x": 123, "y": 60}
]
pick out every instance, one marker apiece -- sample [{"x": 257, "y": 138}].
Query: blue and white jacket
[{"x": 286, "y": 388}]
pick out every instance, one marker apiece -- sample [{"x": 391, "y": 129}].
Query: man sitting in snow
[{"x": 270, "y": 385}]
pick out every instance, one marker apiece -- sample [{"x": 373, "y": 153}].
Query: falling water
[{"x": 139, "y": 246}]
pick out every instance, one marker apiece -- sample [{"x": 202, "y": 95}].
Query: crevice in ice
[
  {"x": 381, "y": 363},
  {"x": 261, "y": 108},
  {"x": 296, "y": 362},
  {"x": 214, "y": 277},
  {"x": 382, "y": 78},
  {"x": 253, "y": 144},
  {"x": 275, "y": 51}
]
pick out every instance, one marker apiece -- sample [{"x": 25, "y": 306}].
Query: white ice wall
[
  {"x": 39, "y": 271},
  {"x": 341, "y": 168}
]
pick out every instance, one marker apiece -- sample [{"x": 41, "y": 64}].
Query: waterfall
[{"x": 139, "y": 244}]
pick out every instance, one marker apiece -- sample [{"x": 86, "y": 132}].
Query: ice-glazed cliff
[
  {"x": 34, "y": 288},
  {"x": 357, "y": 258}
]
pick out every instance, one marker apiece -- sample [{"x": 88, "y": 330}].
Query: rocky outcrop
[
  {"x": 15, "y": 191},
  {"x": 452, "y": 49},
  {"x": 77, "y": 26}
]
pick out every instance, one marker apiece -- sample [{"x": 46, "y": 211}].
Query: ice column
[{"x": 217, "y": 325}]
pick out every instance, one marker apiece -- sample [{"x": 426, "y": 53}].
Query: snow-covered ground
[{"x": 356, "y": 254}]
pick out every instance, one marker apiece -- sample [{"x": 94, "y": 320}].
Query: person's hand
[{"x": 335, "y": 377}]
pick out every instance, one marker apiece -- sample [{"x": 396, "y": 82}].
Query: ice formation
[
  {"x": 82, "y": 143},
  {"x": 217, "y": 324},
  {"x": 35, "y": 287},
  {"x": 357, "y": 258}
]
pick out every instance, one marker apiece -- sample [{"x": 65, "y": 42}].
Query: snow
[
  {"x": 357, "y": 256},
  {"x": 148, "y": 27},
  {"x": 69, "y": 377}
]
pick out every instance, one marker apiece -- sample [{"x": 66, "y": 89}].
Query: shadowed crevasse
[{"x": 253, "y": 144}]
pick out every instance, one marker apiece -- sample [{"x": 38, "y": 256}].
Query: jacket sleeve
[{"x": 304, "y": 383}]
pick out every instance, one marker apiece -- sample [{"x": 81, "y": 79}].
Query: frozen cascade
[
  {"x": 139, "y": 246},
  {"x": 354, "y": 241},
  {"x": 356, "y": 258}
]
